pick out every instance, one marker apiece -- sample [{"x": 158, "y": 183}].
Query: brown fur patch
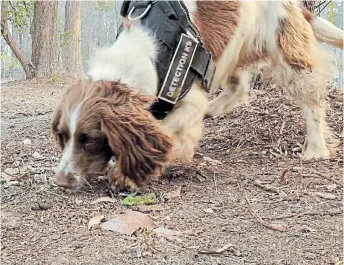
[
  {"x": 217, "y": 22},
  {"x": 297, "y": 40},
  {"x": 136, "y": 138},
  {"x": 307, "y": 15}
]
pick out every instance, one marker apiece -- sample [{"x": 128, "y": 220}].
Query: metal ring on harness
[{"x": 140, "y": 16}]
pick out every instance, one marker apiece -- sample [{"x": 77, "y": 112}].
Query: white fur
[
  {"x": 130, "y": 60},
  {"x": 66, "y": 163},
  {"x": 327, "y": 32},
  {"x": 191, "y": 5}
]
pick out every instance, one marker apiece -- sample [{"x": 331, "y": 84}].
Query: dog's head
[{"x": 99, "y": 120}]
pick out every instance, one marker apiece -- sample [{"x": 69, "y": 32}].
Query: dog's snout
[{"x": 63, "y": 180}]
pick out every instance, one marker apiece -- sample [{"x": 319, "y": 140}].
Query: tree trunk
[
  {"x": 45, "y": 39},
  {"x": 26, "y": 64},
  {"x": 72, "y": 57}
]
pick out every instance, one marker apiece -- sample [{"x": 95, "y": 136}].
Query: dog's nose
[{"x": 63, "y": 180}]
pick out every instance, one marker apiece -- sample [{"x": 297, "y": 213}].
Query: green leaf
[{"x": 149, "y": 198}]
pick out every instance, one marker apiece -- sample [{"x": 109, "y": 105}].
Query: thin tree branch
[{"x": 11, "y": 42}]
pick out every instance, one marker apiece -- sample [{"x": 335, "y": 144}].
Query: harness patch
[{"x": 178, "y": 70}]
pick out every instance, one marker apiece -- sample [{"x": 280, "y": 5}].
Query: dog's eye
[
  {"x": 61, "y": 137},
  {"x": 85, "y": 139}
]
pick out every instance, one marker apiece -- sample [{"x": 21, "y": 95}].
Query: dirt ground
[{"x": 246, "y": 189}]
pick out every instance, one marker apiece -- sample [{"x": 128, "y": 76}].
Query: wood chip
[
  {"x": 325, "y": 195},
  {"x": 216, "y": 251},
  {"x": 94, "y": 221},
  {"x": 212, "y": 161},
  {"x": 103, "y": 199}
]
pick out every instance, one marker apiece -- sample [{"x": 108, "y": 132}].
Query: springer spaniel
[{"x": 110, "y": 115}]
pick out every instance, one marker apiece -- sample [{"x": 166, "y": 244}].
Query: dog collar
[{"x": 182, "y": 56}]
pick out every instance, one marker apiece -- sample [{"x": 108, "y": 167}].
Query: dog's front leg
[
  {"x": 118, "y": 181},
  {"x": 185, "y": 122}
]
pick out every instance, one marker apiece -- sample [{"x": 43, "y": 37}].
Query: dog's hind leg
[
  {"x": 185, "y": 122},
  {"x": 235, "y": 91},
  {"x": 308, "y": 88},
  {"x": 305, "y": 69}
]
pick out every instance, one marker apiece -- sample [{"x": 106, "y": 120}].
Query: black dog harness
[{"x": 182, "y": 56}]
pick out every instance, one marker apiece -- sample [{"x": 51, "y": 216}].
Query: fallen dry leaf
[
  {"x": 277, "y": 227},
  {"x": 217, "y": 251},
  {"x": 95, "y": 221},
  {"x": 128, "y": 223},
  {"x": 325, "y": 195},
  {"x": 174, "y": 193},
  {"x": 11, "y": 171},
  {"x": 103, "y": 199},
  {"x": 172, "y": 235}
]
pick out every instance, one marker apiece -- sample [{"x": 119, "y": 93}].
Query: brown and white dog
[{"x": 110, "y": 117}]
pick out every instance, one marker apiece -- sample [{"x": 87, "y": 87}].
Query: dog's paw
[
  {"x": 118, "y": 182},
  {"x": 315, "y": 153}
]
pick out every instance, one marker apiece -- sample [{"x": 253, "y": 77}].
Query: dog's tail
[{"x": 324, "y": 30}]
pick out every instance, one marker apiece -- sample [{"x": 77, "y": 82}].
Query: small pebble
[
  {"x": 27, "y": 142},
  {"x": 41, "y": 206},
  {"x": 37, "y": 155}
]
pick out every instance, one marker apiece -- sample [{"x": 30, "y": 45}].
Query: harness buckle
[
  {"x": 147, "y": 6},
  {"x": 209, "y": 74},
  {"x": 192, "y": 36}
]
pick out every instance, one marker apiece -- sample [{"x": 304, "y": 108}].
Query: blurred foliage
[
  {"x": 65, "y": 38},
  {"x": 20, "y": 13},
  {"x": 104, "y": 6},
  {"x": 64, "y": 35},
  {"x": 9, "y": 62}
]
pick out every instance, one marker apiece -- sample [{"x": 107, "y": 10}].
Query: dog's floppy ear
[
  {"x": 55, "y": 121},
  {"x": 136, "y": 138}
]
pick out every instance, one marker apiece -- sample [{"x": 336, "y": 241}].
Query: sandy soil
[{"x": 245, "y": 179}]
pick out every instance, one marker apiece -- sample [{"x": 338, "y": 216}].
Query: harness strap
[{"x": 168, "y": 21}]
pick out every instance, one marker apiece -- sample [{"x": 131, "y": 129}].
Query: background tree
[
  {"x": 72, "y": 57},
  {"x": 46, "y": 51}
]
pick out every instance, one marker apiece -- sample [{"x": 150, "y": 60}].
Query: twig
[
  {"x": 268, "y": 188},
  {"x": 302, "y": 214},
  {"x": 253, "y": 213},
  {"x": 276, "y": 227},
  {"x": 216, "y": 190},
  {"x": 326, "y": 177},
  {"x": 319, "y": 174}
]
